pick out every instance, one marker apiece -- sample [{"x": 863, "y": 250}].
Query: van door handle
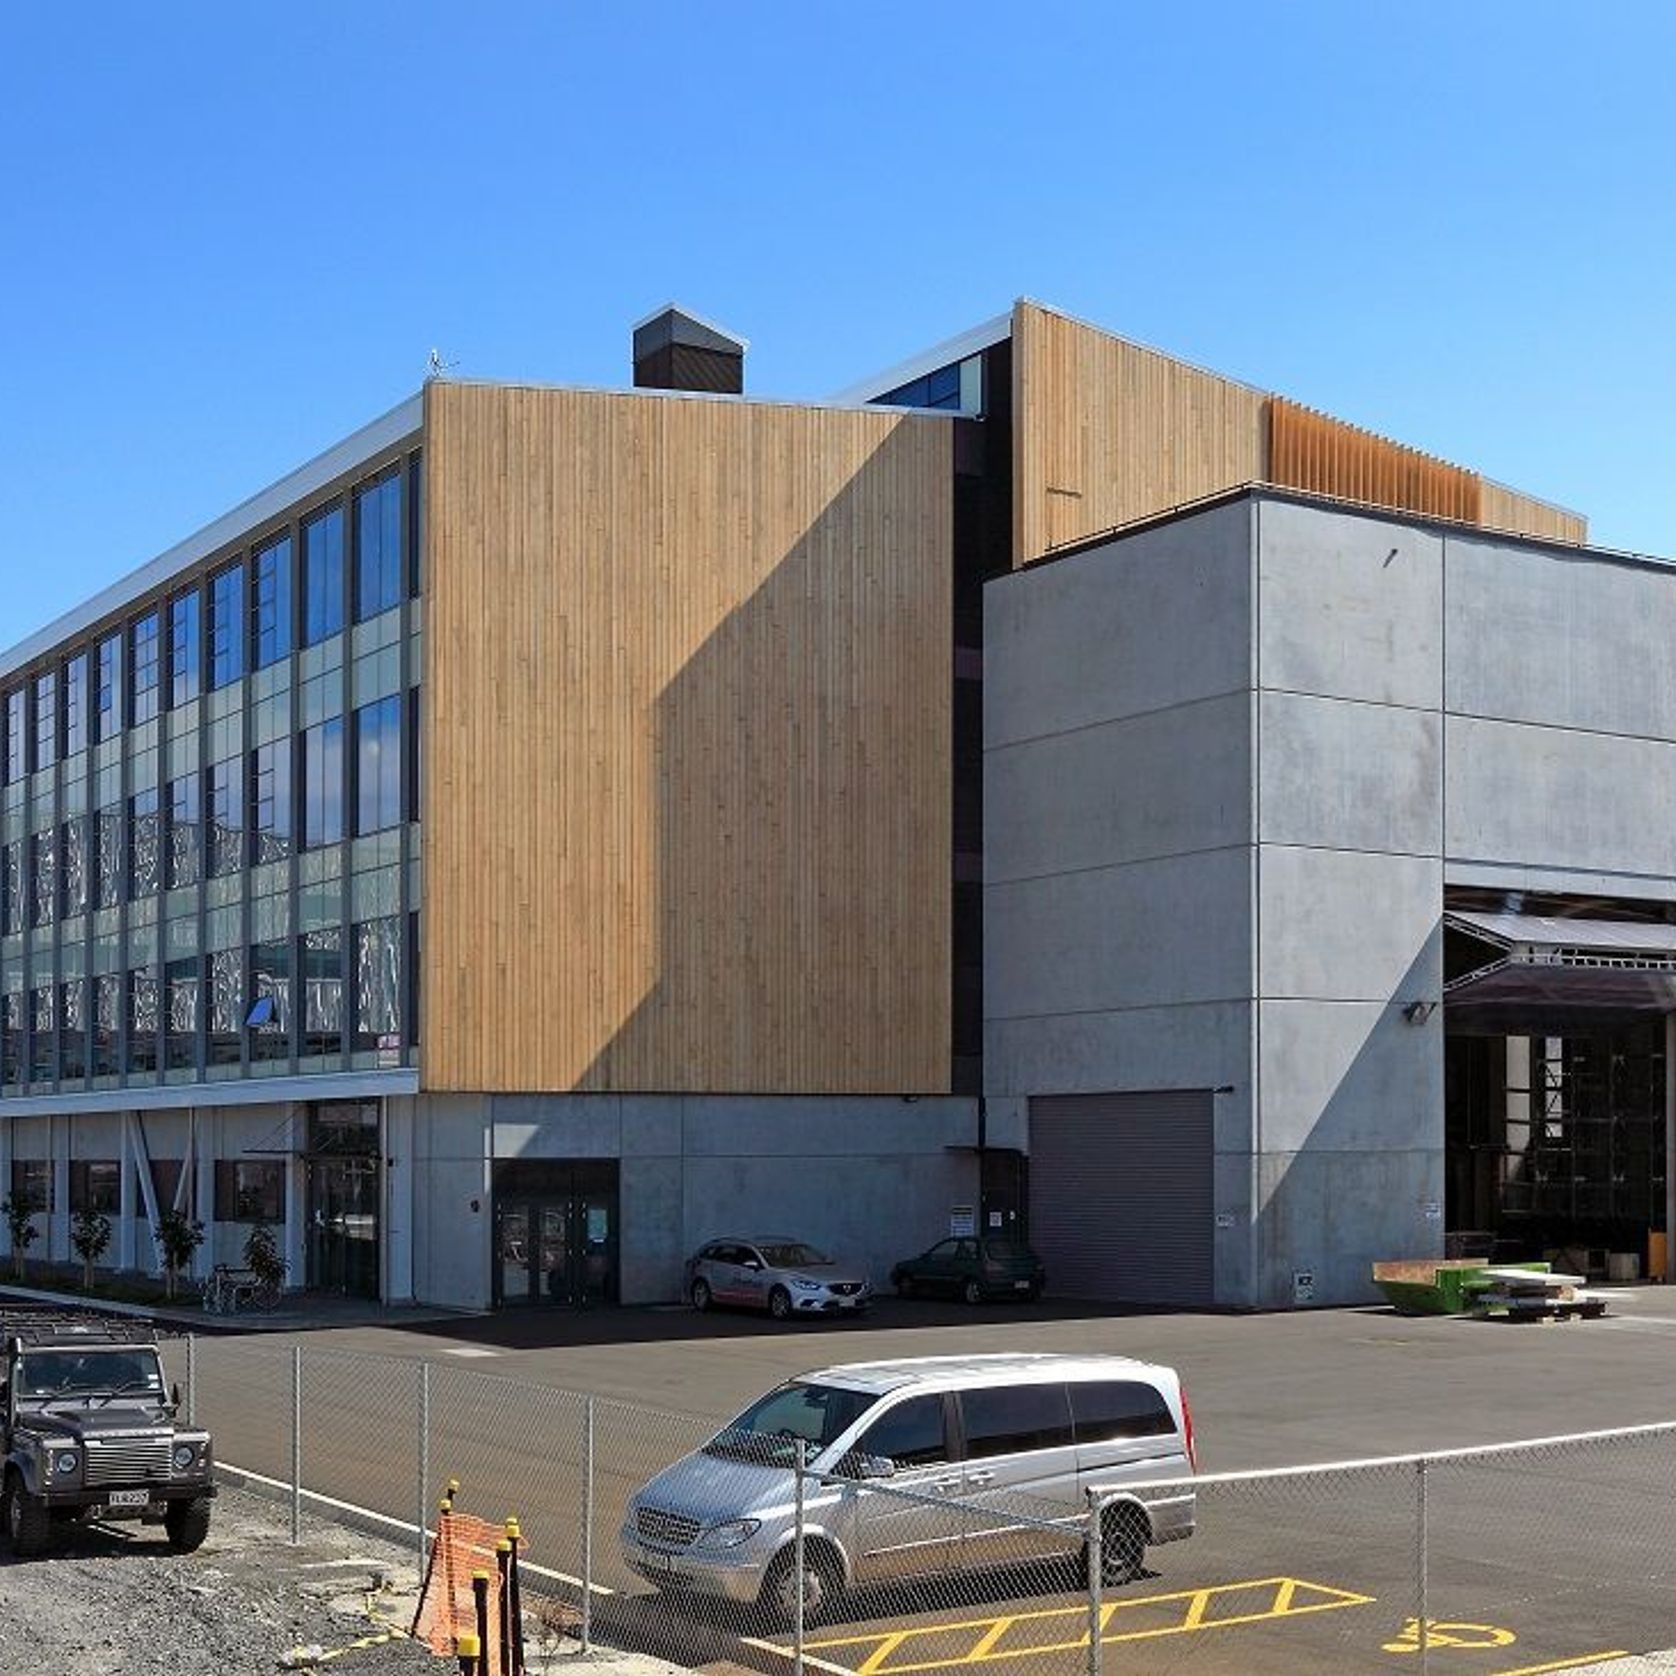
[
  {"x": 945, "y": 1483},
  {"x": 980, "y": 1478}
]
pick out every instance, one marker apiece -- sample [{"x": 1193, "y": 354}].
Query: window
[
  {"x": 268, "y": 1023},
  {"x": 96, "y": 1184},
  {"x": 1009, "y": 1419},
  {"x": 378, "y": 766},
  {"x": 165, "y": 1183},
  {"x": 145, "y": 668},
  {"x": 322, "y": 974},
  {"x": 72, "y": 1036},
  {"x": 12, "y": 1036},
  {"x": 226, "y": 834},
  {"x": 32, "y": 1180},
  {"x": 46, "y": 719},
  {"x": 1117, "y": 1409},
  {"x": 249, "y": 1190},
  {"x": 43, "y": 1042},
  {"x": 107, "y": 857},
  {"x": 17, "y": 736},
  {"x": 11, "y": 888},
  {"x": 143, "y": 1020},
  {"x": 270, "y": 606},
  {"x": 270, "y": 802},
  {"x": 107, "y": 1022},
  {"x": 415, "y": 761},
  {"x": 180, "y": 1014},
  {"x": 145, "y": 845},
  {"x": 107, "y": 696},
  {"x": 378, "y": 983},
  {"x": 323, "y": 576},
  {"x": 323, "y": 783},
  {"x": 911, "y": 1434},
  {"x": 43, "y": 849},
  {"x": 75, "y": 705},
  {"x": 181, "y": 863},
  {"x": 186, "y": 617},
  {"x": 226, "y": 626},
  {"x": 415, "y": 524},
  {"x": 378, "y": 546},
  {"x": 72, "y": 856},
  {"x": 226, "y": 1006}
]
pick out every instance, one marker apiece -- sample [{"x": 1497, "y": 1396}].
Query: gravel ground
[{"x": 117, "y": 1601}]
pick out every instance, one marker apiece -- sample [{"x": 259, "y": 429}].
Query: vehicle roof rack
[{"x": 34, "y": 1329}]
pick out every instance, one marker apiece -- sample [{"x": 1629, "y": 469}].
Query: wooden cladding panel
[
  {"x": 1507, "y": 509},
  {"x": 1106, "y": 431},
  {"x": 1315, "y": 452},
  {"x": 688, "y": 691}
]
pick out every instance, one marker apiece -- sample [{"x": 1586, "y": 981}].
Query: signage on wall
[
  {"x": 963, "y": 1222},
  {"x": 389, "y": 1051},
  {"x": 1303, "y": 1286}
]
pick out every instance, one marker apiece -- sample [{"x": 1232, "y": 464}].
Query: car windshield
[
  {"x": 74, "y": 1373},
  {"x": 767, "y": 1432},
  {"x": 793, "y": 1254}
]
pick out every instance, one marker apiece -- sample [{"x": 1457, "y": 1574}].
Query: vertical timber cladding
[
  {"x": 1122, "y": 1195},
  {"x": 1106, "y": 431},
  {"x": 688, "y": 670}
]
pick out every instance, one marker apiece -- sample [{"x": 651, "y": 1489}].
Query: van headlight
[
  {"x": 185, "y": 1455},
  {"x": 65, "y": 1462},
  {"x": 729, "y": 1535}
]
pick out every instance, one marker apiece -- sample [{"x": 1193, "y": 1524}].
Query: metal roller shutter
[{"x": 1121, "y": 1195}]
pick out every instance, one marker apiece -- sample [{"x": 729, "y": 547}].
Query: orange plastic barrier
[{"x": 447, "y": 1610}]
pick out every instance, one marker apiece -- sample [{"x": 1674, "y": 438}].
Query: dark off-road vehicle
[{"x": 88, "y": 1433}]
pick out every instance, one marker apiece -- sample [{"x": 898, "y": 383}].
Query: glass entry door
[
  {"x": 556, "y": 1232},
  {"x": 344, "y": 1172}
]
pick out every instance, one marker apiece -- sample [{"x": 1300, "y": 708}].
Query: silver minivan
[{"x": 959, "y": 1436}]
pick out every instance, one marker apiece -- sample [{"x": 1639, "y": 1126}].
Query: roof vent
[{"x": 674, "y": 350}]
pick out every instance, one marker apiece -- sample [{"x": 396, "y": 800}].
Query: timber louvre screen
[{"x": 1121, "y": 1195}]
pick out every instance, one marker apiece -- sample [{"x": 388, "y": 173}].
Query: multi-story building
[{"x": 556, "y": 827}]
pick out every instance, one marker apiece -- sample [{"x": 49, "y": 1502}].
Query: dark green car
[{"x": 971, "y": 1269}]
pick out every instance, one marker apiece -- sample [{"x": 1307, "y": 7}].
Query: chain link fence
[{"x": 1530, "y": 1554}]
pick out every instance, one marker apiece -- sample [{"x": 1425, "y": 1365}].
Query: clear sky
[{"x": 230, "y": 234}]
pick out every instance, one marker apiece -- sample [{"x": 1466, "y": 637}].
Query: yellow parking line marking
[
  {"x": 1565, "y": 1664},
  {"x": 1195, "y": 1607}
]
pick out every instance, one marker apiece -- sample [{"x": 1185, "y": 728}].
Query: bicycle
[{"x": 226, "y": 1290}]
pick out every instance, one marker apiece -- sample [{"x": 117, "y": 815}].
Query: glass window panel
[
  {"x": 107, "y": 696},
  {"x": 42, "y": 1037},
  {"x": 378, "y": 983},
  {"x": 17, "y": 735},
  {"x": 144, "y": 997},
  {"x": 270, "y": 606},
  {"x": 44, "y": 862},
  {"x": 108, "y": 857},
  {"x": 32, "y": 1179},
  {"x": 96, "y": 1184},
  {"x": 185, "y": 831},
  {"x": 270, "y": 802},
  {"x": 323, "y": 576},
  {"x": 181, "y": 1012},
  {"x": 322, "y": 972},
  {"x": 46, "y": 719},
  {"x": 12, "y": 1035},
  {"x": 74, "y": 867},
  {"x": 323, "y": 783},
  {"x": 144, "y": 668},
  {"x": 73, "y": 1038},
  {"x": 11, "y": 888},
  {"x": 378, "y": 766},
  {"x": 269, "y": 1022},
  {"x": 75, "y": 705},
  {"x": 226, "y": 626},
  {"x": 416, "y": 524},
  {"x": 145, "y": 845},
  {"x": 249, "y": 1190},
  {"x": 226, "y": 1005},
  {"x": 378, "y": 555},
  {"x": 185, "y": 637},
  {"x": 226, "y": 831},
  {"x": 107, "y": 1021},
  {"x": 1009, "y": 1419}
]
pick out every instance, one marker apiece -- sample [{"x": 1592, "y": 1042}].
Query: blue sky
[{"x": 231, "y": 234}]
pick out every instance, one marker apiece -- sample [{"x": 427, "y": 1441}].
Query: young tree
[
  {"x": 178, "y": 1237},
  {"x": 262, "y": 1258},
  {"x": 19, "y": 1209},
  {"x": 90, "y": 1234}
]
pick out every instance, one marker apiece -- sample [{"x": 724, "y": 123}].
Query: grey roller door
[{"x": 1121, "y": 1200}]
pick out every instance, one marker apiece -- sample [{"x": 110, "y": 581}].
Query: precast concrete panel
[{"x": 1159, "y": 618}]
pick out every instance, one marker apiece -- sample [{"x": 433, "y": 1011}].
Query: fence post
[
  {"x": 296, "y": 1444},
  {"x": 1423, "y": 1620},
  {"x": 191, "y": 1379},
  {"x": 588, "y": 1527},
  {"x": 799, "y": 1457},
  {"x": 1095, "y": 1546},
  {"x": 424, "y": 1458}
]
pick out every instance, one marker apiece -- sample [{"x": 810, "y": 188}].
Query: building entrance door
[
  {"x": 556, "y": 1232},
  {"x": 343, "y": 1170}
]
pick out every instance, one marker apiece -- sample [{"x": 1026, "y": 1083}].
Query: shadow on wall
[{"x": 1358, "y": 1176}]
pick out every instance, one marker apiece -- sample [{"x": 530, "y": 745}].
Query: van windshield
[{"x": 767, "y": 1432}]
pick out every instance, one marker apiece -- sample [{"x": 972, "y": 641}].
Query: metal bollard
[
  {"x": 469, "y": 1651},
  {"x": 587, "y": 1625},
  {"x": 515, "y": 1597},
  {"x": 503, "y": 1563},
  {"x": 480, "y": 1606},
  {"x": 296, "y": 1444},
  {"x": 1096, "y": 1578}
]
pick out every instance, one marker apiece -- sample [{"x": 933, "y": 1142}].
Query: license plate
[{"x": 128, "y": 1498}]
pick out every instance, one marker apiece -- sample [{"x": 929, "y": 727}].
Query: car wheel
[
  {"x": 700, "y": 1294},
  {"x": 822, "y": 1585},
  {"x": 28, "y": 1522},
  {"x": 972, "y": 1292},
  {"x": 779, "y": 1304},
  {"x": 187, "y": 1523},
  {"x": 1123, "y": 1537}
]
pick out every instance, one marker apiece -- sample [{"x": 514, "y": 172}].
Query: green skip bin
[{"x": 1437, "y": 1285}]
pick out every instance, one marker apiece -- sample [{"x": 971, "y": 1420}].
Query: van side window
[
  {"x": 1110, "y": 1409},
  {"x": 911, "y": 1434},
  {"x": 1007, "y": 1419}
]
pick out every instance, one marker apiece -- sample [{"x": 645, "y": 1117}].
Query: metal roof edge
[{"x": 974, "y": 338}]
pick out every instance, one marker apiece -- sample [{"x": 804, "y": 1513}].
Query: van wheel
[
  {"x": 187, "y": 1524},
  {"x": 28, "y": 1522},
  {"x": 701, "y": 1295},
  {"x": 779, "y": 1304},
  {"x": 1123, "y": 1537},
  {"x": 822, "y": 1585},
  {"x": 972, "y": 1292}
]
